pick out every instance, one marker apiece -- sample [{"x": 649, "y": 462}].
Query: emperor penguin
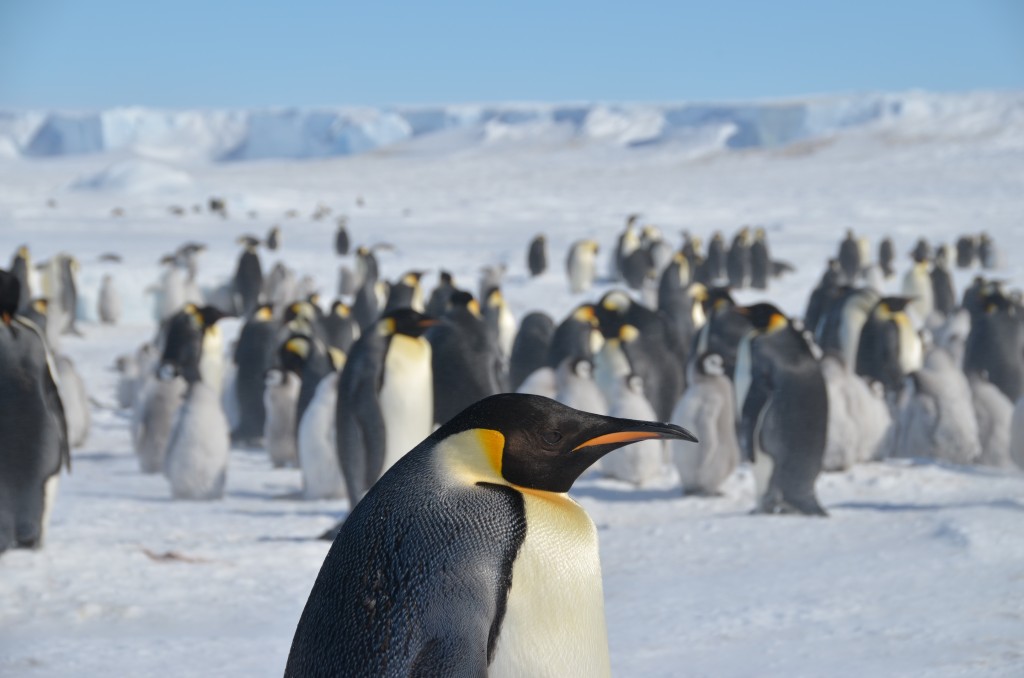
[
  {"x": 385, "y": 398},
  {"x": 340, "y": 329},
  {"x": 682, "y": 303},
  {"x": 75, "y": 400},
  {"x": 859, "y": 423},
  {"x": 197, "y": 451},
  {"x": 537, "y": 256},
  {"x": 886, "y": 255},
  {"x": 248, "y": 280},
  {"x": 716, "y": 267},
  {"x": 760, "y": 260},
  {"x": 254, "y": 355},
  {"x": 406, "y": 293},
  {"x": 966, "y": 251},
  {"x": 466, "y": 363},
  {"x": 317, "y": 445},
  {"x": 577, "y": 336},
  {"x": 987, "y": 252},
  {"x": 33, "y": 430},
  {"x": 575, "y": 386},
  {"x": 530, "y": 348},
  {"x": 280, "y": 430},
  {"x": 937, "y": 419},
  {"x": 724, "y": 329},
  {"x": 737, "y": 261},
  {"x": 995, "y": 344},
  {"x": 22, "y": 269},
  {"x": 784, "y": 414},
  {"x": 828, "y": 291},
  {"x": 581, "y": 265},
  {"x": 194, "y": 346},
  {"x": 500, "y": 322},
  {"x": 156, "y": 405},
  {"x": 889, "y": 349},
  {"x": 943, "y": 293},
  {"x": 273, "y": 238},
  {"x": 108, "y": 306},
  {"x": 644, "y": 463},
  {"x": 310, "y": 361},
  {"x": 994, "y": 414},
  {"x": 849, "y": 258},
  {"x": 341, "y": 239},
  {"x": 625, "y": 246},
  {"x": 706, "y": 406},
  {"x": 917, "y": 288},
  {"x": 438, "y": 303},
  {"x": 169, "y": 293},
  {"x": 474, "y": 532},
  {"x": 646, "y": 339}
]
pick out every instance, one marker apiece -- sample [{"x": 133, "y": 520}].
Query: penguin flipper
[{"x": 757, "y": 399}]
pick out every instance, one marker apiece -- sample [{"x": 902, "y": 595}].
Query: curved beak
[{"x": 628, "y": 431}]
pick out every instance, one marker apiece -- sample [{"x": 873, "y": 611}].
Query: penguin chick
[
  {"x": 473, "y": 532},
  {"x": 197, "y": 453},
  {"x": 318, "y": 455},
  {"x": 157, "y": 404},
  {"x": 280, "y": 402},
  {"x": 576, "y": 388},
  {"x": 706, "y": 406},
  {"x": 643, "y": 463},
  {"x": 109, "y": 304},
  {"x": 75, "y": 400},
  {"x": 581, "y": 265}
]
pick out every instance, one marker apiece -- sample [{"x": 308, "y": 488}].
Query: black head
[
  {"x": 446, "y": 278},
  {"x": 210, "y": 315},
  {"x": 406, "y": 321},
  {"x": 718, "y": 298},
  {"x": 764, "y": 317},
  {"x": 294, "y": 352},
  {"x": 10, "y": 292},
  {"x": 544, "y": 445},
  {"x": 890, "y": 305}
]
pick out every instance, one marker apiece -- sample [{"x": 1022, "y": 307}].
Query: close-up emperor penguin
[{"x": 468, "y": 558}]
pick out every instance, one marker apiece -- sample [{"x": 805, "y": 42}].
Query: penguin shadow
[
  {"x": 94, "y": 456},
  {"x": 883, "y": 507}
]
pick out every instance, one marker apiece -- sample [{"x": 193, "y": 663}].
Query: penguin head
[
  {"x": 585, "y": 313},
  {"x": 10, "y": 291},
  {"x": 294, "y": 352},
  {"x": 405, "y": 321},
  {"x": 765, "y": 318},
  {"x": 209, "y": 315},
  {"x": 889, "y": 307},
  {"x": 717, "y": 299},
  {"x": 712, "y": 364},
  {"x": 463, "y": 300},
  {"x": 412, "y": 278},
  {"x": 446, "y": 278},
  {"x": 536, "y": 443},
  {"x": 264, "y": 313},
  {"x": 340, "y": 309},
  {"x": 250, "y": 242}
]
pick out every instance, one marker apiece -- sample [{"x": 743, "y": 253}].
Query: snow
[
  {"x": 918, "y": 571},
  {"x": 135, "y": 176}
]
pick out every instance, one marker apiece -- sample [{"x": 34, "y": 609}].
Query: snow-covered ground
[{"x": 919, "y": 571}]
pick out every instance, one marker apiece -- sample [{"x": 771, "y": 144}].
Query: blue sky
[{"x": 210, "y": 53}]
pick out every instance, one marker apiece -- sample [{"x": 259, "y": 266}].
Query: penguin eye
[{"x": 551, "y": 437}]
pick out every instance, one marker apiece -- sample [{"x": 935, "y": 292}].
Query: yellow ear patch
[
  {"x": 474, "y": 307},
  {"x": 628, "y": 333},
  {"x": 777, "y": 322},
  {"x": 264, "y": 314},
  {"x": 493, "y": 444},
  {"x": 299, "y": 347},
  {"x": 337, "y": 357}
]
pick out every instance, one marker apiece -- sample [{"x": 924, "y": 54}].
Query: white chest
[
  {"x": 406, "y": 396},
  {"x": 554, "y": 621}
]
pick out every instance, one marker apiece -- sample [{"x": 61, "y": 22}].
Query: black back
[
  {"x": 254, "y": 355},
  {"x": 537, "y": 257},
  {"x": 530, "y": 349},
  {"x": 465, "y": 361},
  {"x": 416, "y": 581}
]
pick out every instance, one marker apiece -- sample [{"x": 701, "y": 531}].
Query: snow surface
[{"x": 919, "y": 571}]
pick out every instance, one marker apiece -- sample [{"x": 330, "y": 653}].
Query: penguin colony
[{"x": 390, "y": 393}]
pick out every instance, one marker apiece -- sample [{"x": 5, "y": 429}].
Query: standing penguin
[
  {"x": 438, "y": 303},
  {"x": 385, "y": 398},
  {"x": 889, "y": 348},
  {"x": 581, "y": 265},
  {"x": 280, "y": 430},
  {"x": 530, "y": 348},
  {"x": 966, "y": 251},
  {"x": 917, "y": 288},
  {"x": 75, "y": 400},
  {"x": 21, "y": 268},
  {"x": 406, "y": 293},
  {"x": 248, "y": 280},
  {"x": 995, "y": 345},
  {"x": 760, "y": 261},
  {"x": 784, "y": 414},
  {"x": 156, "y": 406},
  {"x": 628, "y": 242},
  {"x": 716, "y": 268},
  {"x": 737, "y": 261},
  {"x": 274, "y": 238},
  {"x": 987, "y": 252},
  {"x": 33, "y": 431},
  {"x": 254, "y": 355},
  {"x": 472, "y": 530},
  {"x": 317, "y": 444},
  {"x": 849, "y": 258},
  {"x": 197, "y": 452},
  {"x": 500, "y": 322},
  {"x": 466, "y": 364},
  {"x": 859, "y": 423},
  {"x": 575, "y": 386},
  {"x": 109, "y": 305},
  {"x": 341, "y": 240},
  {"x": 340, "y": 329},
  {"x": 537, "y": 256},
  {"x": 308, "y": 359},
  {"x": 706, "y": 406},
  {"x": 943, "y": 294},
  {"x": 643, "y": 463},
  {"x": 994, "y": 414}
]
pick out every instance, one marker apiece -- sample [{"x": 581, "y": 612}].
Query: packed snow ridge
[{"x": 221, "y": 135}]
